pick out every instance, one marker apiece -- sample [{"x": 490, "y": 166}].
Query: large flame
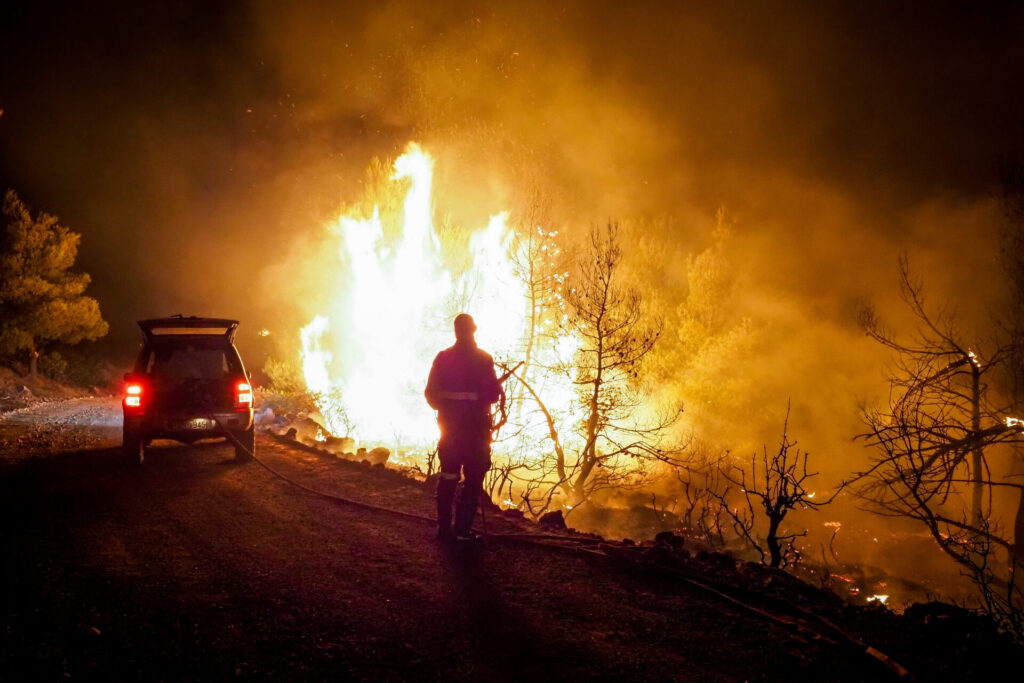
[{"x": 367, "y": 362}]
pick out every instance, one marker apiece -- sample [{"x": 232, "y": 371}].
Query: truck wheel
[
  {"x": 133, "y": 447},
  {"x": 246, "y": 446}
]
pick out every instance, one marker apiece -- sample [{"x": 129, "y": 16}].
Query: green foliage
[
  {"x": 53, "y": 365},
  {"x": 710, "y": 356},
  {"x": 41, "y": 302},
  {"x": 285, "y": 377},
  {"x": 287, "y": 393}
]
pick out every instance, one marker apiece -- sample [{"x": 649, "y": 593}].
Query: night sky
[{"x": 199, "y": 147}]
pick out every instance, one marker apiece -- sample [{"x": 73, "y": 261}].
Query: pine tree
[
  {"x": 41, "y": 302},
  {"x": 616, "y": 335}
]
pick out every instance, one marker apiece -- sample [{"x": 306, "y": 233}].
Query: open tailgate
[{"x": 189, "y": 325}]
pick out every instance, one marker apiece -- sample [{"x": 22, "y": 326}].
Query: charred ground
[{"x": 193, "y": 567}]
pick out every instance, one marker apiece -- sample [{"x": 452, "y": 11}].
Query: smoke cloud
[{"x": 200, "y": 149}]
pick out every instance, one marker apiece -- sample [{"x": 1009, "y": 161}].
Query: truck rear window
[{"x": 191, "y": 362}]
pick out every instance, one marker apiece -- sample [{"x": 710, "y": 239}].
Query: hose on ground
[{"x": 579, "y": 546}]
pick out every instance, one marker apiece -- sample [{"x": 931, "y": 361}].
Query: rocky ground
[
  {"x": 195, "y": 567},
  {"x": 21, "y": 392}
]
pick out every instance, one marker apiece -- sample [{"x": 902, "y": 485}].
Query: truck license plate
[{"x": 195, "y": 424}]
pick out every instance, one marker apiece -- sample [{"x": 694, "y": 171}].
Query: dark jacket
[{"x": 462, "y": 386}]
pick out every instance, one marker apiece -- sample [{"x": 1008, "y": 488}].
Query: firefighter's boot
[
  {"x": 469, "y": 499},
  {"x": 446, "y": 485}
]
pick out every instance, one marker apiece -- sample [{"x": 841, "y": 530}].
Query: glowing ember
[
  {"x": 1014, "y": 422},
  {"x": 878, "y": 598}
]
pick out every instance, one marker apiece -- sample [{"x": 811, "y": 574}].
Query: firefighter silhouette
[{"x": 462, "y": 387}]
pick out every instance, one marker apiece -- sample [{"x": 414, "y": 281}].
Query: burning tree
[
  {"x": 40, "y": 300},
  {"x": 609, "y": 443},
  {"x": 540, "y": 266},
  {"x": 938, "y": 442},
  {"x": 577, "y": 415},
  {"x": 401, "y": 279},
  {"x": 611, "y": 323}
]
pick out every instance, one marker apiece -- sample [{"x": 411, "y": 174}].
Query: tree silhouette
[
  {"x": 776, "y": 488},
  {"x": 615, "y": 333},
  {"x": 936, "y": 441}
]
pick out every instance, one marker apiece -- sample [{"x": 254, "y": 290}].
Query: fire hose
[{"x": 584, "y": 546}]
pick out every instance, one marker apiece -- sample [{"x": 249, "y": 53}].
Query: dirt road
[
  {"x": 48, "y": 427},
  {"x": 193, "y": 567}
]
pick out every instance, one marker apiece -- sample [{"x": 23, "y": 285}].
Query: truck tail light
[
  {"x": 243, "y": 395},
  {"x": 133, "y": 395}
]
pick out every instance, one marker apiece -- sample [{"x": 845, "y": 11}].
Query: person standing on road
[{"x": 462, "y": 387}]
